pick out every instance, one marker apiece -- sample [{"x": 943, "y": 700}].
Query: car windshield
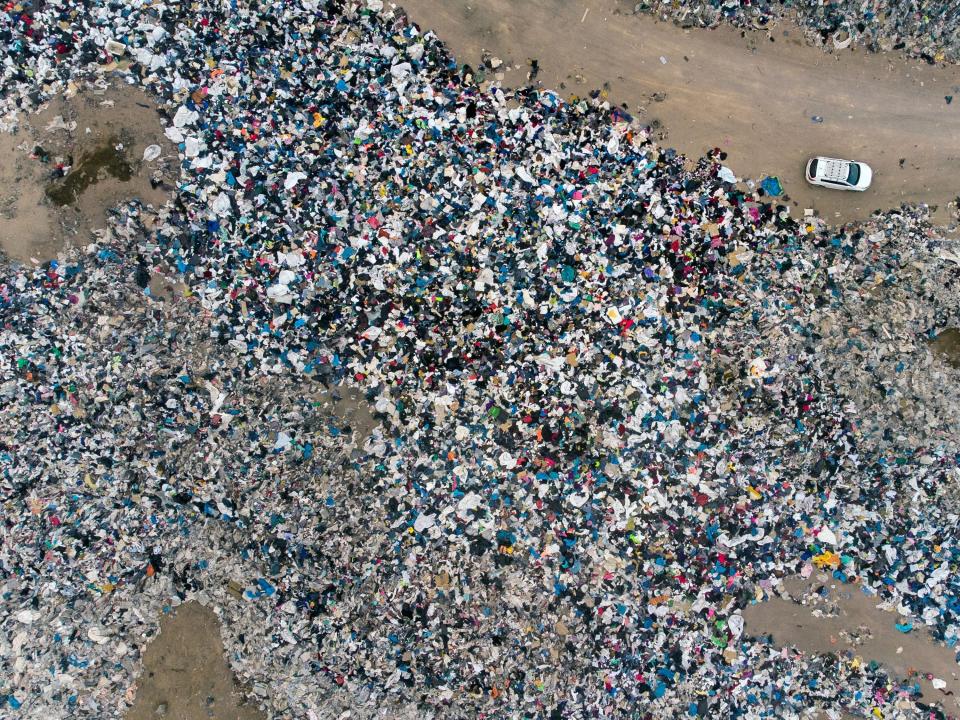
[
  {"x": 854, "y": 175},
  {"x": 813, "y": 168}
]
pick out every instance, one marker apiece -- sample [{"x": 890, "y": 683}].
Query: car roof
[{"x": 832, "y": 168}]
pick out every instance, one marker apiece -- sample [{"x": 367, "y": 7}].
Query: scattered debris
[{"x": 455, "y": 394}]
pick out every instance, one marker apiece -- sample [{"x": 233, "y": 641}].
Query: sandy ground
[
  {"x": 100, "y": 134},
  {"x": 748, "y": 95},
  {"x": 349, "y": 407},
  {"x": 186, "y": 676},
  {"x": 849, "y": 623},
  {"x": 947, "y": 345}
]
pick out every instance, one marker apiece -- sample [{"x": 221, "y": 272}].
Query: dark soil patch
[
  {"x": 947, "y": 344},
  {"x": 95, "y": 165},
  {"x": 43, "y": 210}
]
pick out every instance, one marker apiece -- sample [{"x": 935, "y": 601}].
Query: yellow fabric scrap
[{"x": 827, "y": 559}]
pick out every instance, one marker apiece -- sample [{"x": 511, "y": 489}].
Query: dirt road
[
  {"x": 752, "y": 95},
  {"x": 850, "y": 624}
]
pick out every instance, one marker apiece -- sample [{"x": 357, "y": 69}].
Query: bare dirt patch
[
  {"x": 186, "y": 676},
  {"x": 68, "y": 165},
  {"x": 947, "y": 346},
  {"x": 839, "y": 618},
  {"x": 349, "y": 406}
]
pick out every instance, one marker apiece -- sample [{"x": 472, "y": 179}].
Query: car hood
[{"x": 866, "y": 175}]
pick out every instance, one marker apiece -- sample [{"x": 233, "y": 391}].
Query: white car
[{"x": 839, "y": 174}]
